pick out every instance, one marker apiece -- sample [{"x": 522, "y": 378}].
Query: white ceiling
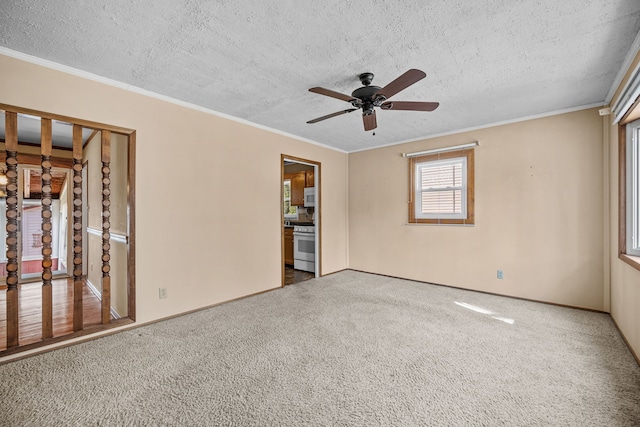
[{"x": 486, "y": 61}]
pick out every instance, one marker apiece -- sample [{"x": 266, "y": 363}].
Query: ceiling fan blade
[
  {"x": 333, "y": 94},
  {"x": 369, "y": 120},
  {"x": 404, "y": 81},
  {"x": 409, "y": 105},
  {"x": 328, "y": 116}
]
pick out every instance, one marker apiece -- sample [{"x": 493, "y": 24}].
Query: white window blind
[{"x": 440, "y": 189}]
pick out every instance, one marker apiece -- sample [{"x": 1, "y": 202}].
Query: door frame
[
  {"x": 317, "y": 211},
  {"x": 57, "y": 274}
]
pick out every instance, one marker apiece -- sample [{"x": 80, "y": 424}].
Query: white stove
[
  {"x": 306, "y": 229},
  {"x": 304, "y": 248}
]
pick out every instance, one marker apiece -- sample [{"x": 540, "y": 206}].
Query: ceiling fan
[{"x": 367, "y": 97}]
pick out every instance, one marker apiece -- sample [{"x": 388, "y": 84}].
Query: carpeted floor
[{"x": 347, "y": 349}]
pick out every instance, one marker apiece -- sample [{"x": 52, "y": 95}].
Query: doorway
[
  {"x": 30, "y": 232},
  {"x": 300, "y": 219}
]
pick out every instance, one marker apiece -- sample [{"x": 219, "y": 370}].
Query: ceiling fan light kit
[{"x": 368, "y": 97}]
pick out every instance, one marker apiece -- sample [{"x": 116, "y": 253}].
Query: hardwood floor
[
  {"x": 292, "y": 276},
  {"x": 30, "y": 311}
]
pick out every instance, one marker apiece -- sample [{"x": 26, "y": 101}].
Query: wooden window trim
[
  {"x": 631, "y": 260},
  {"x": 470, "y": 219}
]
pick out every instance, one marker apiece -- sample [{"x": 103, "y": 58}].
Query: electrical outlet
[
  {"x": 500, "y": 274},
  {"x": 162, "y": 293}
]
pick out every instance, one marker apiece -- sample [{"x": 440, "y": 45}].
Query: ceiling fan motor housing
[{"x": 367, "y": 97}]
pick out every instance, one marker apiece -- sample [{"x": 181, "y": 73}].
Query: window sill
[
  {"x": 633, "y": 261},
  {"x": 431, "y": 224}
]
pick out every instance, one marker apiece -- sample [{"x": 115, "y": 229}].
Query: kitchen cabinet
[
  {"x": 298, "y": 182},
  {"x": 309, "y": 179},
  {"x": 288, "y": 245}
]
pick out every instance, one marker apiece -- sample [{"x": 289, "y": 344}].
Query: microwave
[{"x": 309, "y": 197}]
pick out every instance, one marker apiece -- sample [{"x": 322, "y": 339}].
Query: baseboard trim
[
  {"x": 127, "y": 321},
  {"x": 195, "y": 310},
  {"x": 483, "y": 292},
  {"x": 96, "y": 292},
  {"x": 94, "y": 332},
  {"x": 633, "y": 353},
  {"x": 334, "y": 272}
]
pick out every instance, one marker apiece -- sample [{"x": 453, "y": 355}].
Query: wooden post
[
  {"x": 77, "y": 229},
  {"x": 106, "y": 225},
  {"x": 46, "y": 199},
  {"x": 11, "y": 147}
]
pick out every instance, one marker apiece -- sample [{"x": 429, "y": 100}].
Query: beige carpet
[{"x": 348, "y": 349}]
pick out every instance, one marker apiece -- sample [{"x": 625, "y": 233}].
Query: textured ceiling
[{"x": 486, "y": 61}]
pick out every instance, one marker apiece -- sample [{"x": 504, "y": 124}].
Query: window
[
  {"x": 633, "y": 188},
  {"x": 290, "y": 212},
  {"x": 442, "y": 188}
]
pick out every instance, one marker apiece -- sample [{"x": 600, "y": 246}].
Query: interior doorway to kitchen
[{"x": 300, "y": 219}]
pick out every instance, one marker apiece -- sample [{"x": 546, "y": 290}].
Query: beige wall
[
  {"x": 539, "y": 213},
  {"x": 218, "y": 251},
  {"x": 625, "y": 280},
  {"x": 118, "y": 218}
]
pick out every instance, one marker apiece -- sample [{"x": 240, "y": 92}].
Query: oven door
[{"x": 304, "y": 247}]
